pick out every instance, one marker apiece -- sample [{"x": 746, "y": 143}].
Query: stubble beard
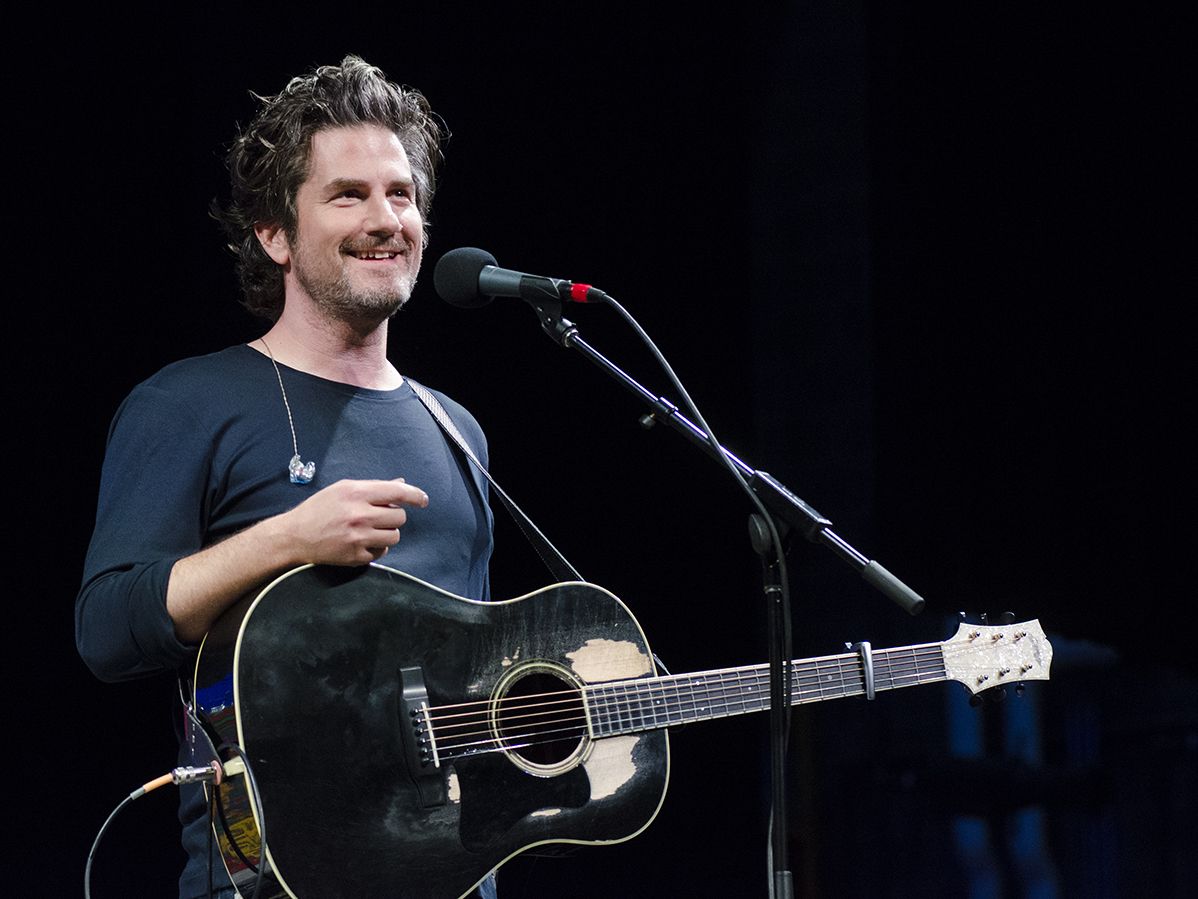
[{"x": 338, "y": 299}]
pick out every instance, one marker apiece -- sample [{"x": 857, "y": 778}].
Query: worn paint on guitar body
[{"x": 306, "y": 679}]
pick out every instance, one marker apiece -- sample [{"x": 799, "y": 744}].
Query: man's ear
[{"x": 273, "y": 238}]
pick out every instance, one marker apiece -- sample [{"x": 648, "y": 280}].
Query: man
[{"x": 305, "y": 445}]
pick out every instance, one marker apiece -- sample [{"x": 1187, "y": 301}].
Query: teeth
[{"x": 375, "y": 255}]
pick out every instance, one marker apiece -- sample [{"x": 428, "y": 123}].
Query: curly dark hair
[{"x": 269, "y": 159}]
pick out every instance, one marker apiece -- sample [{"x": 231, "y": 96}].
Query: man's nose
[{"x": 382, "y": 218}]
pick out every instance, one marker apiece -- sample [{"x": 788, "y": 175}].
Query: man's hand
[
  {"x": 347, "y": 523},
  {"x": 350, "y": 522}
]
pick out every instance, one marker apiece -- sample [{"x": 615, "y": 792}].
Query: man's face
[{"x": 356, "y": 250}]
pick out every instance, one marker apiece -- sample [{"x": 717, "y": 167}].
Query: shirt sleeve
[{"x": 150, "y": 514}]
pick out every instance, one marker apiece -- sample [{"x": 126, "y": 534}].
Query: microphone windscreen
[{"x": 456, "y": 276}]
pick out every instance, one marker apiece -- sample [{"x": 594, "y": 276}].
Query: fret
[
  {"x": 747, "y": 690},
  {"x": 598, "y": 710},
  {"x": 641, "y": 706},
  {"x": 896, "y": 667},
  {"x": 684, "y": 699},
  {"x": 636, "y": 706},
  {"x": 819, "y": 679},
  {"x": 717, "y": 696},
  {"x": 701, "y": 705},
  {"x": 698, "y": 701},
  {"x": 844, "y": 690},
  {"x": 829, "y": 679},
  {"x": 650, "y": 692},
  {"x": 627, "y": 708},
  {"x": 607, "y": 716},
  {"x": 731, "y": 702},
  {"x": 654, "y": 690},
  {"x": 676, "y": 709},
  {"x": 604, "y": 711},
  {"x": 613, "y": 708},
  {"x": 690, "y": 709},
  {"x": 886, "y": 672}
]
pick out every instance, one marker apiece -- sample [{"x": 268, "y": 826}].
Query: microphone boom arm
[{"x": 787, "y": 508}]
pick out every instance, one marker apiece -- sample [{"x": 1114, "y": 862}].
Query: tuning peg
[
  {"x": 989, "y": 696},
  {"x": 1019, "y": 688},
  {"x": 985, "y": 618},
  {"x": 1007, "y": 618}
]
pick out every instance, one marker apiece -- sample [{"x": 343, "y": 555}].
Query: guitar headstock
[{"x": 982, "y": 656}]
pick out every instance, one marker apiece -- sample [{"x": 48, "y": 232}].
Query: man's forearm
[{"x": 203, "y": 585}]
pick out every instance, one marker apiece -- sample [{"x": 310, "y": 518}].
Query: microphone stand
[
  {"x": 788, "y": 512},
  {"x": 783, "y": 504}
]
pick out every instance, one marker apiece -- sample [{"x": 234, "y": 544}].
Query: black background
[{"x": 930, "y": 269}]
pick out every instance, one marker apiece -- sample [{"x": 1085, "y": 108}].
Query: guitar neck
[{"x": 623, "y": 707}]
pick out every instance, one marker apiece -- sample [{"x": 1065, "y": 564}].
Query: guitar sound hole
[{"x": 541, "y": 719}]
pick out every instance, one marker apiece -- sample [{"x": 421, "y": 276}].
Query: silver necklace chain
[{"x": 298, "y": 472}]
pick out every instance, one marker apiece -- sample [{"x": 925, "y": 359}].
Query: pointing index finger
[
  {"x": 410, "y": 494},
  {"x": 397, "y": 492}
]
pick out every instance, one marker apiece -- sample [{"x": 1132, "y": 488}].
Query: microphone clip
[{"x": 549, "y": 314}]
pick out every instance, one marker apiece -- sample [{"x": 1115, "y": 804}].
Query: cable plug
[{"x": 194, "y": 774}]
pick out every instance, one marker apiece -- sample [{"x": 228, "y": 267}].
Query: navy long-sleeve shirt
[{"x": 199, "y": 452}]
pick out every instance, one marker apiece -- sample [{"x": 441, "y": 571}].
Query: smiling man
[
  {"x": 305, "y": 445},
  {"x": 356, "y": 260}
]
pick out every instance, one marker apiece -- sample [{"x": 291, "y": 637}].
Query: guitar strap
[{"x": 557, "y": 564}]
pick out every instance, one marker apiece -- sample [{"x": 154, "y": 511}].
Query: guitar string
[
  {"x": 720, "y": 676},
  {"x": 460, "y": 747},
  {"x": 510, "y": 742},
  {"x": 631, "y": 698},
  {"x": 706, "y": 680},
  {"x": 608, "y": 696},
  {"x": 629, "y": 701},
  {"x": 710, "y": 679}
]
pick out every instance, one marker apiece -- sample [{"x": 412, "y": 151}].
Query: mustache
[{"x": 383, "y": 245}]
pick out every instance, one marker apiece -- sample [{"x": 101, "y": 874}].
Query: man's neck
[{"x": 335, "y": 350}]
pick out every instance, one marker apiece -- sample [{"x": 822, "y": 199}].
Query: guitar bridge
[{"x": 420, "y": 742}]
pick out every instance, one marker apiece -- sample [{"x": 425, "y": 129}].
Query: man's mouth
[{"x": 374, "y": 254}]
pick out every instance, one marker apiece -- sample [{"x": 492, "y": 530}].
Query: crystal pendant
[{"x": 299, "y": 472}]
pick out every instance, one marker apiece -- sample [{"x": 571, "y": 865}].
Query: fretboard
[{"x": 622, "y": 707}]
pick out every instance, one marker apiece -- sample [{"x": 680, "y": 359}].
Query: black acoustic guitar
[{"x": 406, "y": 741}]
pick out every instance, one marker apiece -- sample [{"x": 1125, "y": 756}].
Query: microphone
[{"x": 468, "y": 277}]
